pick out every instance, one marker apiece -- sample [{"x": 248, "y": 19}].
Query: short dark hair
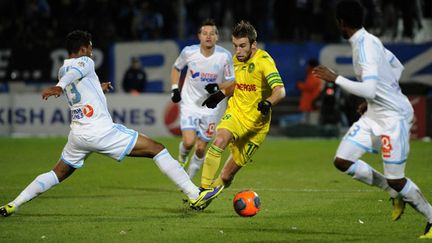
[
  {"x": 77, "y": 39},
  {"x": 245, "y": 29},
  {"x": 351, "y": 12},
  {"x": 208, "y": 22}
]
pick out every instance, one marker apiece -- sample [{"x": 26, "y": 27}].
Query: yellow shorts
[{"x": 245, "y": 142}]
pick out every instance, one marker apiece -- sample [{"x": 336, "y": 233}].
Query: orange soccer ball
[{"x": 247, "y": 203}]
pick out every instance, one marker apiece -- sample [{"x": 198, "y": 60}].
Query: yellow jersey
[{"x": 255, "y": 80}]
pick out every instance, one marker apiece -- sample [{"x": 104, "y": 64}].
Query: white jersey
[
  {"x": 89, "y": 110},
  {"x": 201, "y": 71},
  {"x": 374, "y": 63}
]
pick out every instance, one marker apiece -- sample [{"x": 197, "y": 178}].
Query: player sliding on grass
[
  {"x": 246, "y": 122},
  {"x": 92, "y": 130},
  {"x": 388, "y": 118}
]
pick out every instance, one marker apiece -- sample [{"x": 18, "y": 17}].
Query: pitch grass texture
[{"x": 304, "y": 198}]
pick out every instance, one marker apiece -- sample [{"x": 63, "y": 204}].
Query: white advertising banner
[{"x": 29, "y": 115}]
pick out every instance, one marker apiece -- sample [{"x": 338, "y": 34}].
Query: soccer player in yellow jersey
[{"x": 246, "y": 122}]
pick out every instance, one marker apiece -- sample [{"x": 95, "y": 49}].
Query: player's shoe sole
[
  {"x": 7, "y": 210},
  {"x": 205, "y": 198},
  {"x": 428, "y": 232},
  {"x": 398, "y": 208}
]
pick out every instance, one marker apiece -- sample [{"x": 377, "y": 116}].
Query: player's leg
[
  {"x": 199, "y": 199},
  {"x": 121, "y": 141},
  {"x": 242, "y": 151},
  {"x": 147, "y": 147},
  {"x": 214, "y": 156},
  {"x": 39, "y": 185},
  {"x": 395, "y": 150},
  {"x": 188, "y": 126},
  {"x": 72, "y": 158},
  {"x": 228, "y": 129},
  {"x": 198, "y": 158},
  {"x": 358, "y": 140},
  {"x": 206, "y": 126},
  {"x": 228, "y": 172},
  {"x": 186, "y": 145}
]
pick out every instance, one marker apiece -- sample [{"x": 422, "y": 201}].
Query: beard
[{"x": 246, "y": 57}]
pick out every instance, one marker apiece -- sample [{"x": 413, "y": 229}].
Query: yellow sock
[
  {"x": 218, "y": 182},
  {"x": 211, "y": 165}
]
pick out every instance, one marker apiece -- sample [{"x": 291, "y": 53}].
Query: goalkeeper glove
[
  {"x": 214, "y": 99},
  {"x": 212, "y": 88},
  {"x": 175, "y": 95},
  {"x": 264, "y": 107}
]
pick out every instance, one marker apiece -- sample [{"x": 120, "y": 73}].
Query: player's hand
[
  {"x": 324, "y": 73},
  {"x": 264, "y": 107},
  {"x": 106, "y": 87},
  {"x": 56, "y": 91},
  {"x": 362, "y": 108},
  {"x": 213, "y": 100},
  {"x": 212, "y": 88},
  {"x": 175, "y": 95}
]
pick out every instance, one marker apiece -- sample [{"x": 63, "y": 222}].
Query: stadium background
[{"x": 32, "y": 35}]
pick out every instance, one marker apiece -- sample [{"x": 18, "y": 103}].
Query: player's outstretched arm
[
  {"x": 55, "y": 90},
  {"x": 365, "y": 89},
  {"x": 324, "y": 73}
]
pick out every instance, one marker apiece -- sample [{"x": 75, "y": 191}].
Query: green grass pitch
[{"x": 304, "y": 198}]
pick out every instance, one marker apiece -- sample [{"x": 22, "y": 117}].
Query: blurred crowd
[{"x": 46, "y": 22}]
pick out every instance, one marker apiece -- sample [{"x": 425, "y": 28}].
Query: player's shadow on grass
[
  {"x": 345, "y": 236},
  {"x": 109, "y": 193},
  {"x": 141, "y": 189},
  {"x": 184, "y": 211},
  {"x": 147, "y": 212}
]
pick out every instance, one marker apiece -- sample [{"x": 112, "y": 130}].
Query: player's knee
[
  {"x": 200, "y": 148},
  {"x": 220, "y": 142},
  {"x": 342, "y": 164},
  {"x": 397, "y": 184},
  {"x": 188, "y": 144}
]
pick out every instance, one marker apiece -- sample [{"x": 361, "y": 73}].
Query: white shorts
[
  {"x": 117, "y": 142},
  {"x": 204, "y": 125},
  {"x": 390, "y": 136}
]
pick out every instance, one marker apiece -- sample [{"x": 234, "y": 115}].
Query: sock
[
  {"x": 218, "y": 182},
  {"x": 412, "y": 194},
  {"x": 211, "y": 165},
  {"x": 363, "y": 172},
  {"x": 39, "y": 185},
  {"x": 195, "y": 165},
  {"x": 183, "y": 153},
  {"x": 170, "y": 167}
]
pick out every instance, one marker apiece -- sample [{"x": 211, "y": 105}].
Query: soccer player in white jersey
[
  {"x": 209, "y": 67},
  {"x": 92, "y": 130},
  {"x": 386, "y": 123}
]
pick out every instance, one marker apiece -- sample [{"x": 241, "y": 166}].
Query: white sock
[
  {"x": 412, "y": 194},
  {"x": 39, "y": 185},
  {"x": 176, "y": 173},
  {"x": 363, "y": 172},
  {"x": 195, "y": 165},
  {"x": 183, "y": 152}
]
